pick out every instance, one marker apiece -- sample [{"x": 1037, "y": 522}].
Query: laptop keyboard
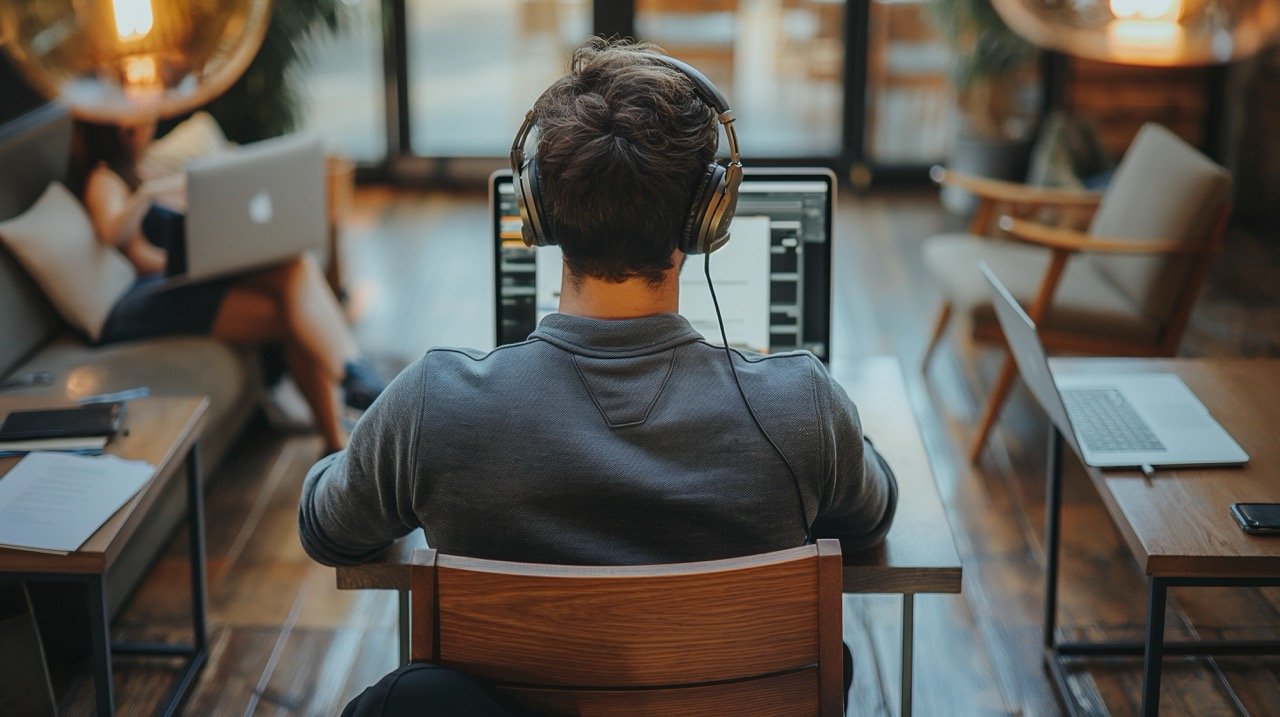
[{"x": 1105, "y": 422}]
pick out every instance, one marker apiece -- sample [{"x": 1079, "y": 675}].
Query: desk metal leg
[
  {"x": 101, "y": 641},
  {"x": 196, "y": 551},
  {"x": 1052, "y": 526},
  {"x": 403, "y": 597},
  {"x": 1154, "y": 652},
  {"x": 197, "y": 653},
  {"x": 908, "y": 644}
]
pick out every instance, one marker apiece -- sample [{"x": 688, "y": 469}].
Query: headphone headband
[{"x": 706, "y": 227}]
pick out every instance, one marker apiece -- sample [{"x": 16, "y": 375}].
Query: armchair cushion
[
  {"x": 1163, "y": 190},
  {"x": 1085, "y": 301}
]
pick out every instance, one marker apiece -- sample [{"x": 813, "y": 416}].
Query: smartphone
[
  {"x": 1257, "y": 518},
  {"x": 97, "y": 419}
]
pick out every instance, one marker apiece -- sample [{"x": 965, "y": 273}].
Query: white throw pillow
[
  {"x": 54, "y": 242},
  {"x": 166, "y": 158}
]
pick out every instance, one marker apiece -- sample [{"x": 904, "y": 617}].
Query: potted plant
[
  {"x": 996, "y": 90},
  {"x": 265, "y": 101}
]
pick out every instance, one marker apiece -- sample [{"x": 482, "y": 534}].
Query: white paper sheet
[
  {"x": 53, "y": 502},
  {"x": 740, "y": 270}
]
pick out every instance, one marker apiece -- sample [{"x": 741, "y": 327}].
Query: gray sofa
[{"x": 33, "y": 151}]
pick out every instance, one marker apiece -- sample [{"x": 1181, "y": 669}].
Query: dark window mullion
[
  {"x": 613, "y": 17},
  {"x": 853, "y": 149},
  {"x": 395, "y": 74}
]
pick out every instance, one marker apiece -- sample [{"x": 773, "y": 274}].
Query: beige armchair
[{"x": 1123, "y": 287}]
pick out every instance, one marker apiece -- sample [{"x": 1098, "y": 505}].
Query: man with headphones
[{"x": 616, "y": 434}]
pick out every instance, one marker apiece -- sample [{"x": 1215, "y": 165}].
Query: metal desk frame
[
  {"x": 196, "y": 653},
  {"x": 1154, "y": 648}
]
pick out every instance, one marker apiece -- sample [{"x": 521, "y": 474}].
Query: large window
[
  {"x": 461, "y": 74},
  {"x": 476, "y": 67},
  {"x": 908, "y": 115},
  {"x": 780, "y": 62},
  {"x": 342, "y": 85}
]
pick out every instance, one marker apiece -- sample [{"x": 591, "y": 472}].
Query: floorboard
[{"x": 286, "y": 642}]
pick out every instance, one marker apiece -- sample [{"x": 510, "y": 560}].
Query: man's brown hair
[{"x": 622, "y": 144}]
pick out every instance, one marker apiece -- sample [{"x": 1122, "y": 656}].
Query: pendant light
[
  {"x": 1147, "y": 32},
  {"x": 126, "y": 61}
]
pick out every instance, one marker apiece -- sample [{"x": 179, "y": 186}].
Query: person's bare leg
[
  {"x": 315, "y": 318},
  {"x": 321, "y": 393},
  {"x": 247, "y": 316}
]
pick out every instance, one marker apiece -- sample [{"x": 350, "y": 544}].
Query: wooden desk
[
  {"x": 164, "y": 432},
  {"x": 918, "y": 555},
  {"x": 1176, "y": 523}
]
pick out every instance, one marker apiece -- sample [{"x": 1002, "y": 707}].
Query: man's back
[{"x": 605, "y": 442}]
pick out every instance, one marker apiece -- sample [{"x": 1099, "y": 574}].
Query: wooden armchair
[
  {"x": 759, "y": 635},
  {"x": 1125, "y": 286}
]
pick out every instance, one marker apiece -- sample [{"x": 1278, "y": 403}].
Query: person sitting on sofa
[{"x": 289, "y": 304}]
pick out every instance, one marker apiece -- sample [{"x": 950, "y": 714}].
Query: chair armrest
[
  {"x": 1013, "y": 192},
  {"x": 1072, "y": 240}
]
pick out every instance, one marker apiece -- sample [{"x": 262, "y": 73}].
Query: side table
[{"x": 163, "y": 431}]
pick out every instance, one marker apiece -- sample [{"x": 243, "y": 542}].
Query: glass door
[
  {"x": 341, "y": 82},
  {"x": 475, "y": 68},
  {"x": 779, "y": 62},
  {"x": 908, "y": 117}
]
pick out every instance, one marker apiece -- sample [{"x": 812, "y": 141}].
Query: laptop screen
[{"x": 772, "y": 279}]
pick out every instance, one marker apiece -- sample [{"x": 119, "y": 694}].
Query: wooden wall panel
[{"x": 1119, "y": 99}]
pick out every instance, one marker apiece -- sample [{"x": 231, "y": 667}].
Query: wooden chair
[
  {"x": 758, "y": 635},
  {"x": 1124, "y": 287}
]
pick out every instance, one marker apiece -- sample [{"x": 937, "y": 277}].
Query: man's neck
[{"x": 631, "y": 299}]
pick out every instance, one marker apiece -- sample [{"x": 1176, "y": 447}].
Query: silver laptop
[
  {"x": 257, "y": 205},
  {"x": 773, "y": 279},
  {"x": 1115, "y": 420}
]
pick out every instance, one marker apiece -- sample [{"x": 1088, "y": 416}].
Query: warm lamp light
[
  {"x": 1147, "y": 32},
  {"x": 126, "y": 61}
]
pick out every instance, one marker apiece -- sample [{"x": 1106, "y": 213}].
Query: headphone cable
[{"x": 795, "y": 479}]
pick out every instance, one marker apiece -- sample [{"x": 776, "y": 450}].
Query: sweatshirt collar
[{"x": 615, "y": 338}]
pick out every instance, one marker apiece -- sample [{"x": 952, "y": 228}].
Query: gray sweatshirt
[{"x": 600, "y": 442}]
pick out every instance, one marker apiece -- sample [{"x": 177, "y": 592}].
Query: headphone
[{"x": 706, "y": 226}]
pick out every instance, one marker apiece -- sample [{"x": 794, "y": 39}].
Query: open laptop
[
  {"x": 773, "y": 278},
  {"x": 254, "y": 206},
  {"x": 1115, "y": 420}
]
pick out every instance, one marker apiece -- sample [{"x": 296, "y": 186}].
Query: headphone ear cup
[
  {"x": 533, "y": 229},
  {"x": 723, "y": 207},
  {"x": 704, "y": 199}
]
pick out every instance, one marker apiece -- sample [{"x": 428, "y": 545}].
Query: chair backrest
[
  {"x": 753, "y": 635},
  {"x": 1163, "y": 190}
]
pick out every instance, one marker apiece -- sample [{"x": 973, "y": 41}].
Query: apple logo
[{"x": 260, "y": 210}]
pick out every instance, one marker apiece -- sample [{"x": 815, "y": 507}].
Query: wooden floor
[{"x": 285, "y": 642}]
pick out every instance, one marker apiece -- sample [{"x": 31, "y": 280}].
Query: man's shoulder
[
  {"x": 463, "y": 354},
  {"x": 798, "y": 363},
  {"x": 780, "y": 373}
]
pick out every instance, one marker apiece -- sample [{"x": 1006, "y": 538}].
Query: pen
[{"x": 1147, "y": 472}]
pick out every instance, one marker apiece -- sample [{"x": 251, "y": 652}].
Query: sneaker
[{"x": 360, "y": 385}]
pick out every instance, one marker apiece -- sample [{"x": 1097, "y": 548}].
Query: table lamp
[
  {"x": 128, "y": 61},
  {"x": 1147, "y": 32}
]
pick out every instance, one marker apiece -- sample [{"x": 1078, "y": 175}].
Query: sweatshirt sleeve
[
  {"x": 860, "y": 493},
  {"x": 355, "y": 503}
]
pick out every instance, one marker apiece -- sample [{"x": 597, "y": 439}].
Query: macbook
[
  {"x": 1115, "y": 420},
  {"x": 773, "y": 278},
  {"x": 257, "y": 205}
]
